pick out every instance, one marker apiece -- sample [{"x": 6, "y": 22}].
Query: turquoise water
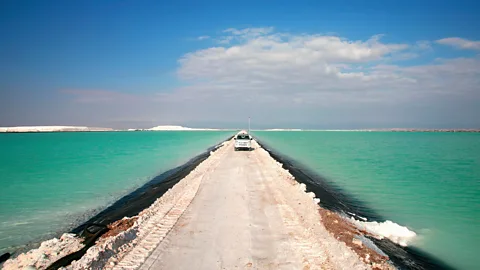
[
  {"x": 429, "y": 182},
  {"x": 51, "y": 182}
]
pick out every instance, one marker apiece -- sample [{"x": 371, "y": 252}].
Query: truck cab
[{"x": 243, "y": 141}]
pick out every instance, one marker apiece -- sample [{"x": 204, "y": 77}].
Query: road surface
[{"x": 246, "y": 213}]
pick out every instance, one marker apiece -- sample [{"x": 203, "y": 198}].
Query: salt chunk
[{"x": 357, "y": 242}]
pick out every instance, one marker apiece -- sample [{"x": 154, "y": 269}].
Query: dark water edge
[
  {"x": 141, "y": 198},
  {"x": 336, "y": 199}
]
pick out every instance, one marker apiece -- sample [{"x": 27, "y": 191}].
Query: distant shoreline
[
  {"x": 35, "y": 129},
  {"x": 51, "y": 129},
  {"x": 376, "y": 130}
]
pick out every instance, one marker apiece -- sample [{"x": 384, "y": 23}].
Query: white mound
[
  {"x": 177, "y": 128},
  {"x": 388, "y": 229},
  {"x": 284, "y": 129}
]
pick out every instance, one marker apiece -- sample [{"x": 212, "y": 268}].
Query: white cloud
[
  {"x": 234, "y": 34},
  {"x": 203, "y": 37},
  {"x": 249, "y": 32},
  {"x": 266, "y": 60},
  {"x": 460, "y": 43},
  {"x": 225, "y": 40},
  {"x": 259, "y": 67},
  {"x": 320, "y": 79}
]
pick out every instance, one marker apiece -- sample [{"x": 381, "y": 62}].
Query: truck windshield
[{"x": 243, "y": 137}]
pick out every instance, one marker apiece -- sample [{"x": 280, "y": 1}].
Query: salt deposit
[
  {"x": 388, "y": 229},
  {"x": 51, "y": 129},
  {"x": 48, "y": 252}
]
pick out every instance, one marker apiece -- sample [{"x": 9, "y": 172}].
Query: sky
[{"x": 286, "y": 64}]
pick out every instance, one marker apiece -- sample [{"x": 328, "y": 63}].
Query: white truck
[{"x": 243, "y": 141}]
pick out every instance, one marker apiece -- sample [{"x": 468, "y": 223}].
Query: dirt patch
[
  {"x": 119, "y": 226},
  {"x": 346, "y": 233}
]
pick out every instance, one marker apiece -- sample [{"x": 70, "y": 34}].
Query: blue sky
[{"x": 143, "y": 63}]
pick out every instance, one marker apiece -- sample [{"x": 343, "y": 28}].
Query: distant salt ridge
[
  {"x": 284, "y": 129},
  {"x": 388, "y": 229},
  {"x": 173, "y": 128},
  {"x": 52, "y": 129}
]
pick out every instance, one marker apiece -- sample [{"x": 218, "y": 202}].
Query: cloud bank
[{"x": 317, "y": 81}]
